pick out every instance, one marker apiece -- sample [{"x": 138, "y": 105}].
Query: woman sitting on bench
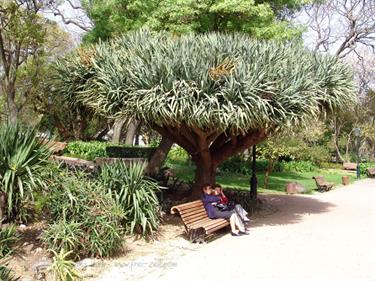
[{"x": 210, "y": 201}]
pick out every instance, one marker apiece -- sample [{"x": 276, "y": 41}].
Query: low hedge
[
  {"x": 130, "y": 152},
  {"x": 93, "y": 149}
]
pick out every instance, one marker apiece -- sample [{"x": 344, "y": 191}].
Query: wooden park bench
[
  {"x": 370, "y": 172},
  {"x": 196, "y": 221},
  {"x": 349, "y": 166},
  {"x": 322, "y": 184}
]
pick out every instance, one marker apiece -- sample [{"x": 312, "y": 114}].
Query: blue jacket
[{"x": 207, "y": 202}]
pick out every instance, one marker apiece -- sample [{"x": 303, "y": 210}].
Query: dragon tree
[{"x": 215, "y": 95}]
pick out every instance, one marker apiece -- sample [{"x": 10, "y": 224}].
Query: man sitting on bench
[{"x": 210, "y": 201}]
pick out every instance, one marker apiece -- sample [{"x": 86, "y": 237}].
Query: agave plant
[
  {"x": 135, "y": 193},
  {"x": 62, "y": 268},
  {"x": 22, "y": 156}
]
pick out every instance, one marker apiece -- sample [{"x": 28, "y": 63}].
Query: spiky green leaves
[{"x": 223, "y": 81}]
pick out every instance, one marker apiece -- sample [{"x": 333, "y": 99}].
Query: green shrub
[
  {"x": 62, "y": 268},
  {"x": 8, "y": 237},
  {"x": 6, "y": 274},
  {"x": 364, "y": 166},
  {"x": 330, "y": 165},
  {"x": 85, "y": 218},
  {"x": 238, "y": 164},
  {"x": 22, "y": 157},
  {"x": 86, "y": 150},
  {"x": 298, "y": 166},
  {"x": 135, "y": 193}
]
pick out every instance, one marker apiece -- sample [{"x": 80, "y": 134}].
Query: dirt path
[{"x": 328, "y": 236}]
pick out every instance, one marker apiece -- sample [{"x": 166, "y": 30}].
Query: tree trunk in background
[
  {"x": 336, "y": 141},
  {"x": 158, "y": 158},
  {"x": 117, "y": 129},
  {"x": 268, "y": 172},
  {"x": 131, "y": 131},
  {"x": 2, "y": 207}
]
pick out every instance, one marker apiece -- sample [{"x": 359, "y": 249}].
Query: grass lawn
[{"x": 277, "y": 179}]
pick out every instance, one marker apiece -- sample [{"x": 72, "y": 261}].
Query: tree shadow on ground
[{"x": 287, "y": 209}]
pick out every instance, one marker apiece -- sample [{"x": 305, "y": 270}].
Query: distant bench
[
  {"x": 196, "y": 221},
  {"x": 349, "y": 166},
  {"x": 322, "y": 184}
]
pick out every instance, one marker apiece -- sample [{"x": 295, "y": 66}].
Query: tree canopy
[
  {"x": 261, "y": 19},
  {"x": 213, "y": 94}
]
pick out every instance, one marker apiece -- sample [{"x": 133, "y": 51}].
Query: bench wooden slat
[
  {"x": 199, "y": 223},
  {"x": 211, "y": 222},
  {"x": 189, "y": 205},
  {"x": 194, "y": 219},
  {"x": 217, "y": 227},
  {"x": 194, "y": 212}
]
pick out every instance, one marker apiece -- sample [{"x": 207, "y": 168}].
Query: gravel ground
[{"x": 328, "y": 236}]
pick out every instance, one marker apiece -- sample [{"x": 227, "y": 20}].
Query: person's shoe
[
  {"x": 244, "y": 232},
  {"x": 235, "y": 234}
]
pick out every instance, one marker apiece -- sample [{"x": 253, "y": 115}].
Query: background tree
[
  {"x": 214, "y": 95},
  {"x": 21, "y": 37},
  {"x": 345, "y": 29}
]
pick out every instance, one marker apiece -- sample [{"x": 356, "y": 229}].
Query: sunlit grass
[{"x": 277, "y": 181}]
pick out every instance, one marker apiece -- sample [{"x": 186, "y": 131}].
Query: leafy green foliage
[
  {"x": 6, "y": 274},
  {"x": 257, "y": 18},
  {"x": 8, "y": 237},
  {"x": 22, "y": 157},
  {"x": 85, "y": 218},
  {"x": 298, "y": 166},
  {"x": 364, "y": 166},
  {"x": 136, "y": 195},
  {"x": 62, "y": 268},
  {"x": 87, "y": 150}
]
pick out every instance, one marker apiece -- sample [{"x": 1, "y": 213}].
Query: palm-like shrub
[
  {"x": 136, "y": 195},
  {"x": 22, "y": 157},
  {"x": 85, "y": 219}
]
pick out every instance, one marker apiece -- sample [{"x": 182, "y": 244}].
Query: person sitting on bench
[
  {"x": 224, "y": 204},
  {"x": 210, "y": 201}
]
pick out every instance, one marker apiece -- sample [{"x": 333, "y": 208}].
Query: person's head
[
  {"x": 217, "y": 189},
  {"x": 207, "y": 189}
]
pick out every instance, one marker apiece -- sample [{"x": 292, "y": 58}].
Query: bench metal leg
[{"x": 196, "y": 235}]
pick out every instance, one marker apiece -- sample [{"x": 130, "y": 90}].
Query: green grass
[{"x": 277, "y": 180}]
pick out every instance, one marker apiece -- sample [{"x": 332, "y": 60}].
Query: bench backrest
[
  {"x": 320, "y": 180},
  {"x": 349, "y": 166},
  {"x": 190, "y": 212}
]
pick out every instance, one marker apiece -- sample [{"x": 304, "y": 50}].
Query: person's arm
[
  {"x": 210, "y": 199},
  {"x": 224, "y": 199}
]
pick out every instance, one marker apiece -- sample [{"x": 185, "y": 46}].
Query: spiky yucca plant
[
  {"x": 213, "y": 94},
  {"x": 136, "y": 195},
  {"x": 22, "y": 156}
]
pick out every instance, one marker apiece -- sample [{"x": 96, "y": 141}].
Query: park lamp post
[
  {"x": 357, "y": 133},
  {"x": 253, "y": 180}
]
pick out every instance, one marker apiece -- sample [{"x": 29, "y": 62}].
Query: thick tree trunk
[
  {"x": 117, "y": 129},
  {"x": 130, "y": 133},
  {"x": 158, "y": 158},
  {"x": 204, "y": 174}
]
